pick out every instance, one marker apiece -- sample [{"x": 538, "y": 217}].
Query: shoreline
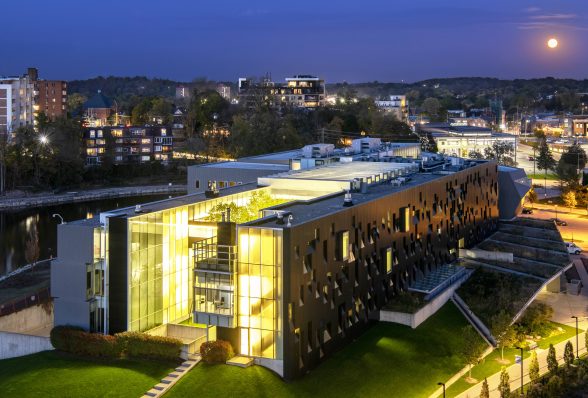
[{"x": 34, "y": 201}]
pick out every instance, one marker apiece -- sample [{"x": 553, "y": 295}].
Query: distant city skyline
[{"x": 338, "y": 41}]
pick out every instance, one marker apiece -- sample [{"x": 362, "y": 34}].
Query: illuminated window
[
  {"x": 388, "y": 260},
  {"x": 343, "y": 243}
]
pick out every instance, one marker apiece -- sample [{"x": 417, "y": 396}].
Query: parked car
[
  {"x": 573, "y": 248},
  {"x": 531, "y": 158},
  {"x": 559, "y": 223},
  {"x": 527, "y": 210}
]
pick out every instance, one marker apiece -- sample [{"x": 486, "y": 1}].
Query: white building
[
  {"x": 17, "y": 101},
  {"x": 397, "y": 104}
]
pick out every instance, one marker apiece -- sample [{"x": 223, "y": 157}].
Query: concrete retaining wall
[
  {"x": 414, "y": 320},
  {"x": 17, "y": 345},
  {"x": 28, "y": 319},
  {"x": 487, "y": 255}
]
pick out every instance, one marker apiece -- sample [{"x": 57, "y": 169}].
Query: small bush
[
  {"x": 218, "y": 351},
  {"x": 141, "y": 345},
  {"x": 76, "y": 341}
]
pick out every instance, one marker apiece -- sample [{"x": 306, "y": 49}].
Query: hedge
[
  {"x": 218, "y": 351},
  {"x": 77, "y": 341},
  {"x": 136, "y": 345},
  {"x": 141, "y": 345}
]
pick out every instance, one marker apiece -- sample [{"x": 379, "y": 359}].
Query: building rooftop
[
  {"x": 247, "y": 166},
  {"x": 98, "y": 101},
  {"x": 303, "y": 211}
]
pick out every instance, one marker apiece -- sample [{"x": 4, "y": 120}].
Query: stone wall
[{"x": 32, "y": 318}]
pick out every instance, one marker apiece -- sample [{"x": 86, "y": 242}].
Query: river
[{"x": 16, "y": 226}]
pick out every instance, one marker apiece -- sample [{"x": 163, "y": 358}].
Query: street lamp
[
  {"x": 521, "y": 348},
  {"x": 576, "y": 318},
  {"x": 556, "y": 212},
  {"x": 442, "y": 384}
]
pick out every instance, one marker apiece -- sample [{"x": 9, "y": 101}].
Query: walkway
[
  {"x": 49, "y": 199},
  {"x": 171, "y": 379},
  {"x": 514, "y": 371}
]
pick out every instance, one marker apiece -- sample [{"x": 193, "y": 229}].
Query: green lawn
[
  {"x": 388, "y": 360},
  {"x": 490, "y": 364},
  {"x": 52, "y": 374},
  {"x": 541, "y": 176}
]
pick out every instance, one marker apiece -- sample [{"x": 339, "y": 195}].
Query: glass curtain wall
[
  {"x": 260, "y": 292},
  {"x": 161, "y": 260}
]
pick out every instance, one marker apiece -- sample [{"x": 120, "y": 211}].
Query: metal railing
[{"x": 210, "y": 256}]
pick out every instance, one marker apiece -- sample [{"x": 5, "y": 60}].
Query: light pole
[
  {"x": 557, "y": 218},
  {"x": 442, "y": 384},
  {"x": 576, "y": 318},
  {"x": 521, "y": 348}
]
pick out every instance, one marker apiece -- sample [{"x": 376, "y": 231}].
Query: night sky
[{"x": 338, "y": 40}]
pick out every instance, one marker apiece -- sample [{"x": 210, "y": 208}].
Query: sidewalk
[
  {"x": 514, "y": 371},
  {"x": 47, "y": 199}
]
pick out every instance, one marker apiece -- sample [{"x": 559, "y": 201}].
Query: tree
[
  {"x": 485, "y": 391},
  {"x": 504, "y": 385},
  {"x": 471, "y": 348},
  {"x": 569, "y": 199},
  {"x": 532, "y": 196},
  {"x": 431, "y": 106},
  {"x": 476, "y": 155},
  {"x": 534, "y": 368},
  {"x": 502, "y": 152},
  {"x": 568, "y": 354},
  {"x": 545, "y": 160},
  {"x": 503, "y": 331},
  {"x": 571, "y": 163},
  {"x": 551, "y": 360}
]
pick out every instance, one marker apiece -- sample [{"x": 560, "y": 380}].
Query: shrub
[
  {"x": 76, "y": 341},
  {"x": 141, "y": 345},
  {"x": 218, "y": 351}
]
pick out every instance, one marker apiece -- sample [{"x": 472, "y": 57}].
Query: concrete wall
[
  {"x": 242, "y": 175},
  {"x": 487, "y": 255},
  {"x": 68, "y": 275},
  {"x": 414, "y": 320},
  {"x": 17, "y": 345},
  {"x": 35, "y": 317}
]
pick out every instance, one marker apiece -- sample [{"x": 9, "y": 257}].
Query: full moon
[{"x": 552, "y": 43}]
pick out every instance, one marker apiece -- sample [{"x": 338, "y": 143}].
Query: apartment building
[
  {"x": 128, "y": 144},
  {"x": 300, "y": 91}
]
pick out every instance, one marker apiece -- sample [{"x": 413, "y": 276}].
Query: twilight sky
[{"x": 340, "y": 40}]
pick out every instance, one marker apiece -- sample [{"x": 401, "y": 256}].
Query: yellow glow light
[{"x": 552, "y": 43}]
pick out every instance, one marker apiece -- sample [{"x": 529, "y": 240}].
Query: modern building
[
  {"x": 397, "y": 105},
  {"x": 289, "y": 269},
  {"x": 51, "y": 98},
  {"x": 300, "y": 91},
  {"x": 183, "y": 92},
  {"x": 462, "y": 141},
  {"x": 128, "y": 144},
  {"x": 98, "y": 110}
]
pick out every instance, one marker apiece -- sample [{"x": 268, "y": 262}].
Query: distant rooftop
[
  {"x": 248, "y": 166},
  {"x": 98, "y": 101}
]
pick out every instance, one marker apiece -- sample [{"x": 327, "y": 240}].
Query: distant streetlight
[
  {"x": 576, "y": 318},
  {"x": 58, "y": 216},
  {"x": 521, "y": 348},
  {"x": 44, "y": 139},
  {"x": 442, "y": 384}
]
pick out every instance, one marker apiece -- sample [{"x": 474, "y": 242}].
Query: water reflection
[{"x": 17, "y": 226}]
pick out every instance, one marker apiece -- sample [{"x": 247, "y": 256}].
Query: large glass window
[{"x": 259, "y": 291}]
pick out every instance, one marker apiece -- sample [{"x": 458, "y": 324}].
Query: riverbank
[{"x": 50, "y": 199}]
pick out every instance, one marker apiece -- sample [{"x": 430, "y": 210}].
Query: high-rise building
[
  {"x": 19, "y": 94},
  {"x": 22, "y": 98},
  {"x": 396, "y": 104},
  {"x": 51, "y": 98}
]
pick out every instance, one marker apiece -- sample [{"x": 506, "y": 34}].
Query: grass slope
[
  {"x": 52, "y": 374},
  {"x": 388, "y": 360}
]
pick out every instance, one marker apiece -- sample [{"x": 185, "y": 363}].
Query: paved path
[
  {"x": 514, "y": 371},
  {"x": 48, "y": 199},
  {"x": 171, "y": 379}
]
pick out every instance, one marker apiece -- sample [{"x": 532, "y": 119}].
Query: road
[
  {"x": 523, "y": 153},
  {"x": 577, "y": 229}
]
